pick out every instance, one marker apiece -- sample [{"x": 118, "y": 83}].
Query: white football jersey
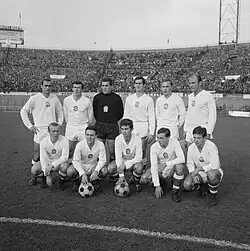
[
  {"x": 140, "y": 110},
  {"x": 162, "y": 158},
  {"x": 86, "y": 159},
  {"x": 78, "y": 112},
  {"x": 170, "y": 112},
  {"x": 201, "y": 112},
  {"x": 56, "y": 154},
  {"x": 208, "y": 158},
  {"x": 44, "y": 110},
  {"x": 130, "y": 153}
]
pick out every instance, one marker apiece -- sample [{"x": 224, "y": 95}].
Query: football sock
[
  {"x": 136, "y": 177},
  {"x": 114, "y": 177},
  {"x": 177, "y": 180},
  {"x": 62, "y": 175},
  {"x": 213, "y": 189}
]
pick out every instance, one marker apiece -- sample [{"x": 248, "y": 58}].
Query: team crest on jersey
[
  {"x": 201, "y": 159},
  {"x": 53, "y": 151},
  {"x": 137, "y": 104},
  {"x": 165, "y": 155},
  {"x": 105, "y": 108},
  {"x": 75, "y": 108},
  {"x": 47, "y": 104},
  {"x": 193, "y": 103},
  {"x": 128, "y": 151},
  {"x": 90, "y": 156},
  {"x": 166, "y": 106}
]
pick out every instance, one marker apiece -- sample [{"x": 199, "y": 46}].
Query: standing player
[
  {"x": 167, "y": 162},
  {"x": 169, "y": 110},
  {"x": 78, "y": 113},
  {"x": 88, "y": 161},
  {"x": 204, "y": 167},
  {"x": 54, "y": 153},
  {"x": 45, "y": 108},
  {"x": 108, "y": 110},
  {"x": 139, "y": 107},
  {"x": 128, "y": 154},
  {"x": 201, "y": 109}
]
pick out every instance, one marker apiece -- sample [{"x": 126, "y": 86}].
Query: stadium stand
[{"x": 21, "y": 69}]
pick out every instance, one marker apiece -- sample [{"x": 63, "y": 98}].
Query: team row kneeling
[{"x": 201, "y": 171}]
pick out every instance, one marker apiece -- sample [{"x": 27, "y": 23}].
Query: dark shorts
[{"x": 106, "y": 130}]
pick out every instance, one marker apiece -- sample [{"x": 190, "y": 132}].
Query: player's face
[
  {"x": 193, "y": 83},
  {"x": 90, "y": 136},
  {"x": 162, "y": 139},
  {"x": 54, "y": 132},
  {"x": 126, "y": 131},
  {"x": 166, "y": 88},
  {"x": 46, "y": 87},
  {"x": 199, "y": 140},
  {"x": 106, "y": 87},
  {"x": 139, "y": 86},
  {"x": 77, "y": 89}
]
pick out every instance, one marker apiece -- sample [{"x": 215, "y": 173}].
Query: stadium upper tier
[{"x": 23, "y": 69}]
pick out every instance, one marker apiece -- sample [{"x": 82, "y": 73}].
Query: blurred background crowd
[{"x": 23, "y": 69}]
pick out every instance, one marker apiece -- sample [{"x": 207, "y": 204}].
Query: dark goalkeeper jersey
[{"x": 108, "y": 108}]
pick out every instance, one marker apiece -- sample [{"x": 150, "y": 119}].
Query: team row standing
[{"x": 108, "y": 110}]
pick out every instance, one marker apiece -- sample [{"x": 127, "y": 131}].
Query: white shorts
[
  {"x": 39, "y": 136},
  {"x": 141, "y": 129},
  {"x": 174, "y": 131},
  {"x": 75, "y": 133}
]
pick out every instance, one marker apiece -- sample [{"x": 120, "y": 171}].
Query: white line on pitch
[{"x": 169, "y": 236}]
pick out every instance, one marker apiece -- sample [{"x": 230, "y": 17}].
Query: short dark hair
[
  {"x": 53, "y": 124},
  {"x": 77, "y": 82},
  {"x": 168, "y": 80},
  {"x": 45, "y": 80},
  {"x": 107, "y": 79},
  {"x": 140, "y": 78},
  {"x": 127, "y": 122},
  {"x": 92, "y": 128},
  {"x": 200, "y": 130},
  {"x": 198, "y": 76},
  {"x": 164, "y": 130}
]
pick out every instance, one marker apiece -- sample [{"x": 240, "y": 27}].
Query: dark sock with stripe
[{"x": 136, "y": 178}]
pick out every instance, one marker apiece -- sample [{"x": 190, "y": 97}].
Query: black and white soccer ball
[
  {"x": 86, "y": 190},
  {"x": 122, "y": 189}
]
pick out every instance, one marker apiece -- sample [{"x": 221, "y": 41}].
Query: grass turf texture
[{"x": 229, "y": 220}]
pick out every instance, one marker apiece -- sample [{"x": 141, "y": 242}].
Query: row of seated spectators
[{"x": 23, "y": 69}]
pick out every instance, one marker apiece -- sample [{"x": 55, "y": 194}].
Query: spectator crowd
[{"x": 22, "y": 69}]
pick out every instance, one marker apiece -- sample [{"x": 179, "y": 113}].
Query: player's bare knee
[
  {"x": 63, "y": 167},
  {"x": 187, "y": 184},
  {"x": 71, "y": 171},
  {"x": 103, "y": 172},
  {"x": 213, "y": 178},
  {"x": 112, "y": 168},
  {"x": 138, "y": 168},
  {"x": 179, "y": 169}
]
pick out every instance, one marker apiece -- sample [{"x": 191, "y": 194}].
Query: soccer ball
[
  {"x": 122, "y": 189},
  {"x": 86, "y": 190}
]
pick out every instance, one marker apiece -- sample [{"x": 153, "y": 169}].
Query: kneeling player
[
  {"x": 88, "y": 161},
  {"x": 128, "y": 153},
  {"x": 203, "y": 163},
  {"x": 167, "y": 162},
  {"x": 54, "y": 153}
]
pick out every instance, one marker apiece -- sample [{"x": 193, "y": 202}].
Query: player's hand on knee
[
  {"x": 34, "y": 129},
  {"x": 84, "y": 179},
  {"x": 158, "y": 192},
  {"x": 93, "y": 176}
]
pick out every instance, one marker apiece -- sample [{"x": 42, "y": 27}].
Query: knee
[
  {"x": 179, "y": 169},
  {"x": 71, "y": 171},
  {"x": 138, "y": 168},
  {"x": 103, "y": 172},
  {"x": 188, "y": 183},
  {"x": 213, "y": 178},
  {"x": 112, "y": 168},
  {"x": 63, "y": 167}
]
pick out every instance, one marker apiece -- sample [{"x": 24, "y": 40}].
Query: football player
[
  {"x": 167, "y": 162},
  {"x": 204, "y": 167},
  {"x": 89, "y": 161},
  {"x": 128, "y": 154},
  {"x": 54, "y": 153},
  {"x": 201, "y": 109},
  {"x": 44, "y": 108},
  {"x": 78, "y": 113},
  {"x": 108, "y": 110}
]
